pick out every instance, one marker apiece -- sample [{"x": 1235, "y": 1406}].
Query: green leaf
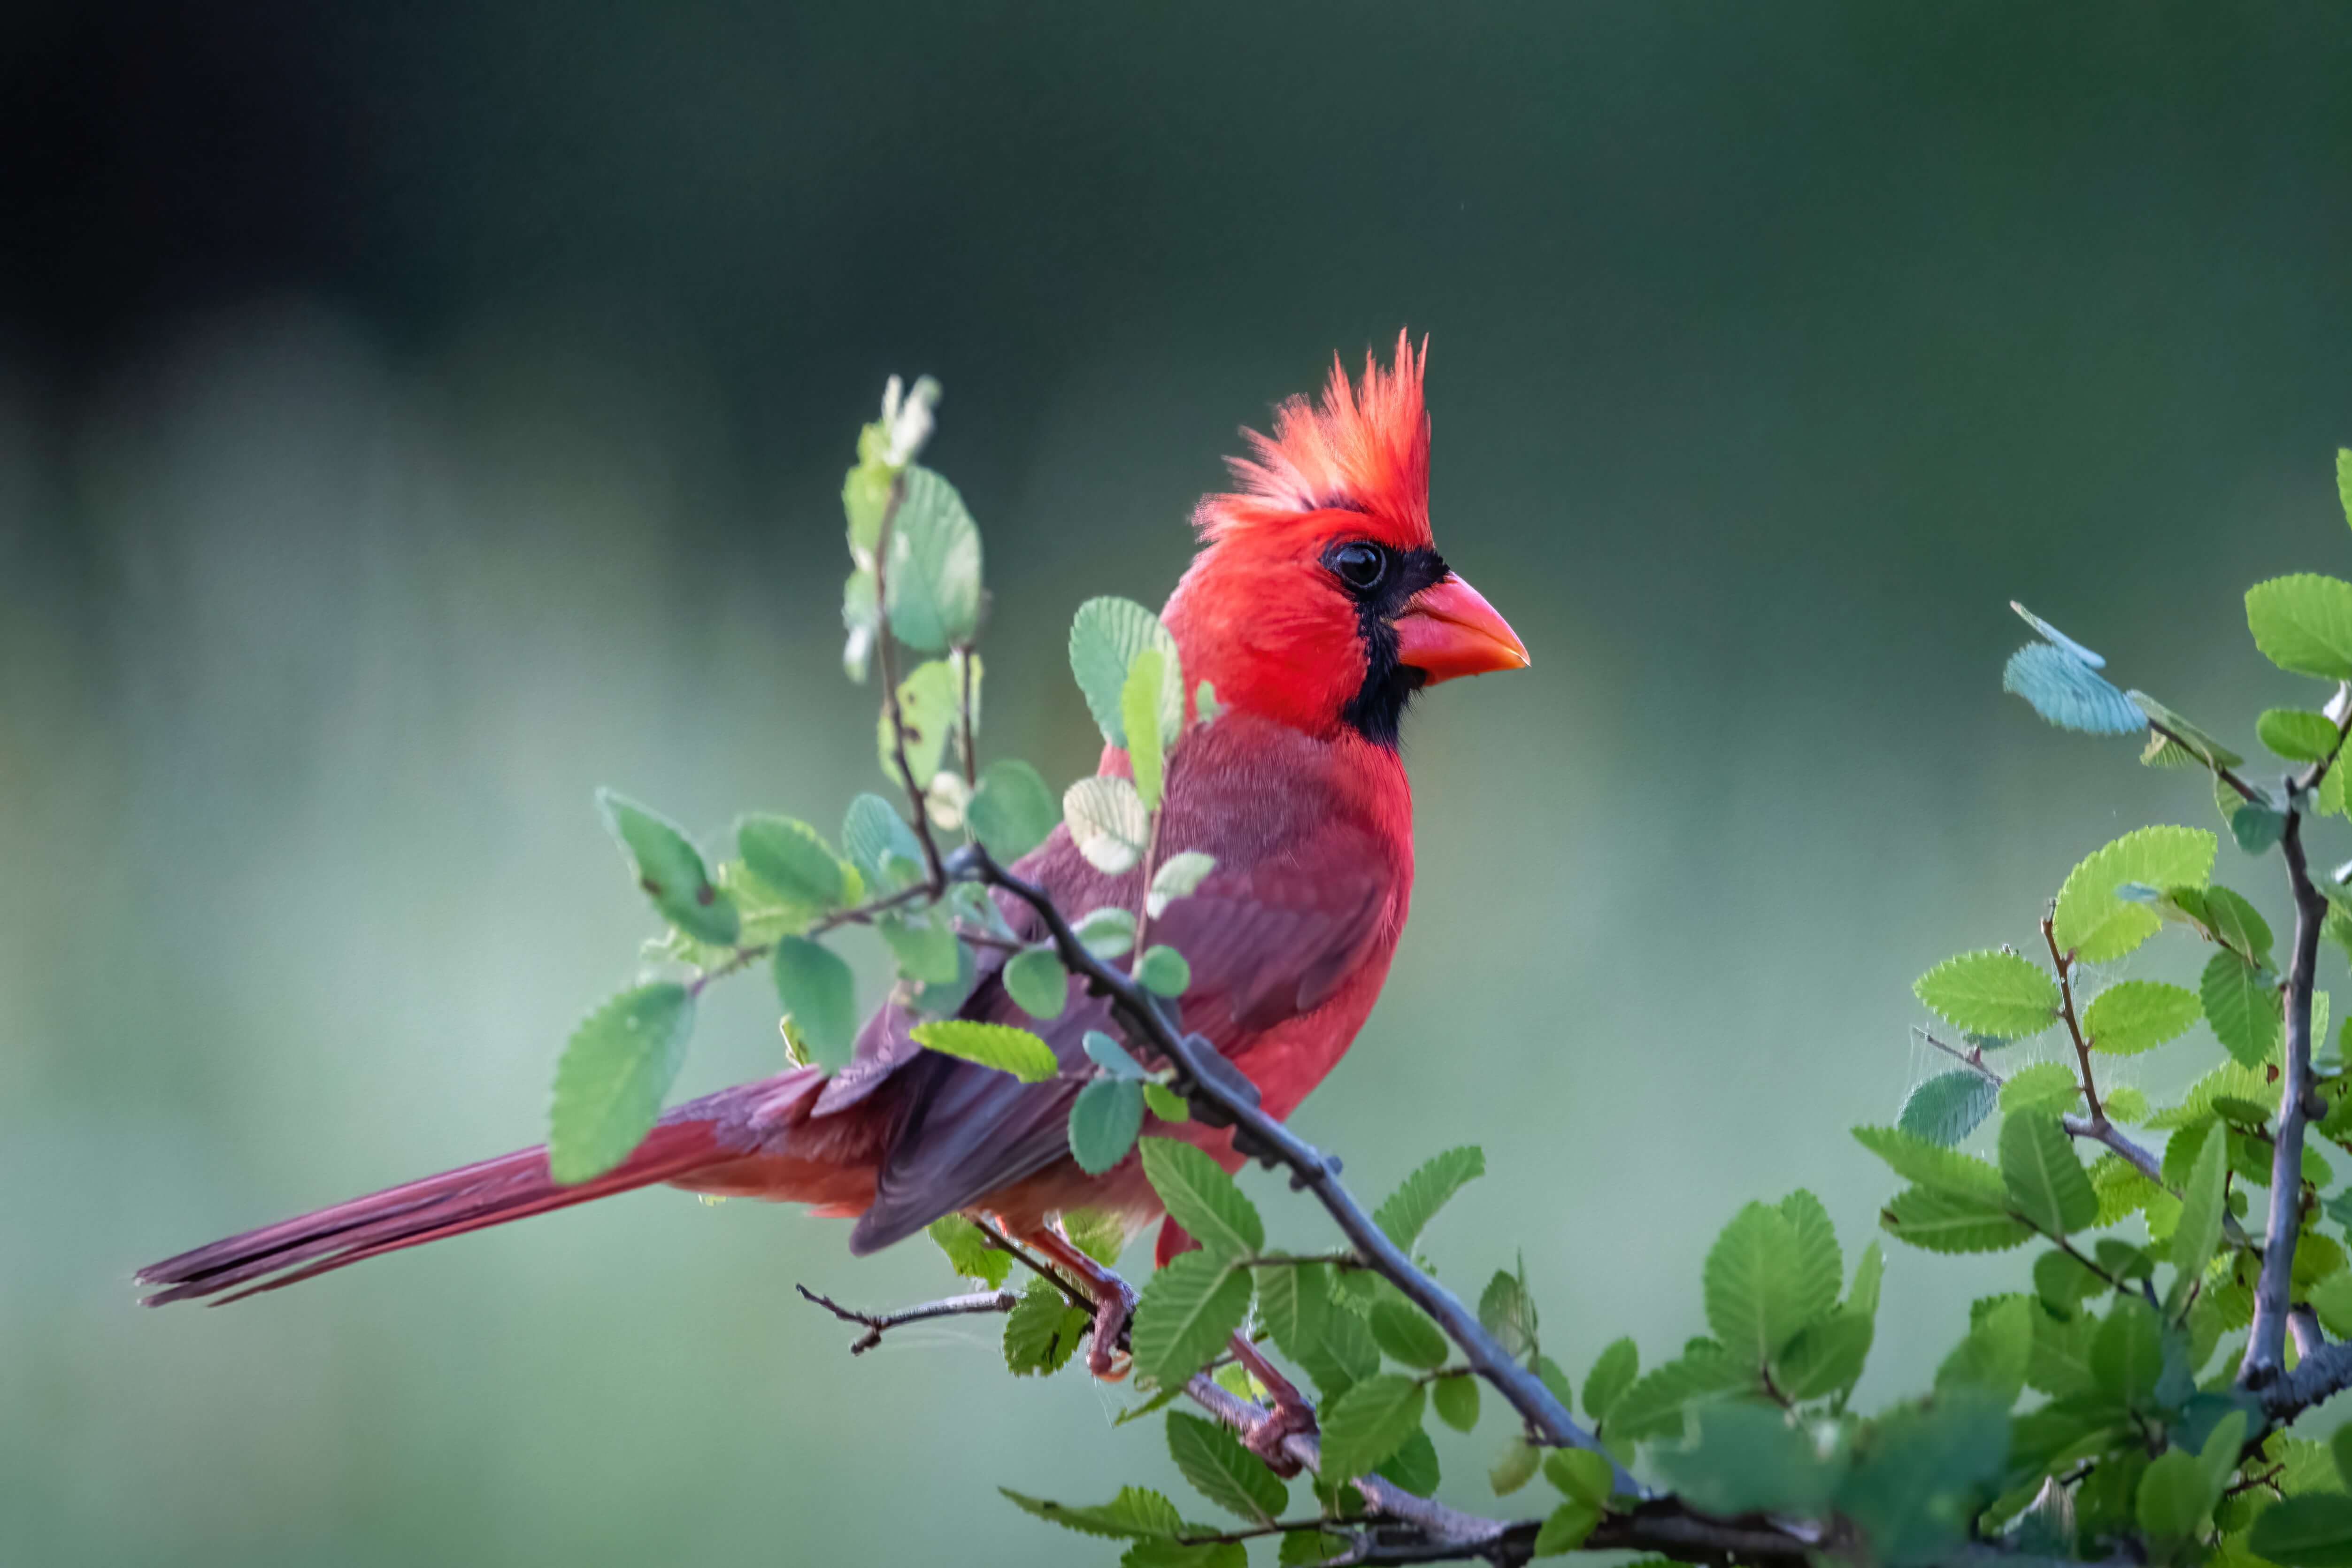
[
  {"x": 924, "y": 946},
  {"x": 1342, "y": 1355},
  {"x": 2237, "y": 923},
  {"x": 1042, "y": 1331},
  {"x": 2062, "y": 1282},
  {"x": 2297, "y": 734},
  {"x": 1189, "y": 1310},
  {"x": 1930, "y": 1165},
  {"x": 880, "y": 845},
  {"x": 1654, "y": 1406},
  {"x": 1948, "y": 1106},
  {"x": 1826, "y": 1358},
  {"x": 1104, "y": 1119},
  {"x": 1757, "y": 1296},
  {"x": 2256, "y": 828},
  {"x": 1414, "y": 1466},
  {"x": 792, "y": 860},
  {"x": 2198, "y": 1232},
  {"x": 970, "y": 1252},
  {"x": 1994, "y": 1354},
  {"x": 1203, "y": 1198},
  {"x": 1223, "y": 1471},
  {"x": 1110, "y": 1056},
  {"x": 1581, "y": 1474},
  {"x": 1946, "y": 1222},
  {"x": 1137, "y": 1513},
  {"x": 1616, "y": 1369},
  {"x": 1516, "y": 1467},
  {"x": 1993, "y": 993},
  {"x": 2343, "y": 482},
  {"x": 2195, "y": 749},
  {"x": 1011, "y": 811},
  {"x": 1107, "y": 821},
  {"x": 928, "y": 703},
  {"x": 1406, "y": 1332},
  {"x": 1037, "y": 982},
  {"x": 2134, "y": 1015},
  {"x": 1455, "y": 1400},
  {"x": 1293, "y": 1299},
  {"x": 1816, "y": 1267},
  {"x": 2095, "y": 925},
  {"x": 1748, "y": 1458},
  {"x": 1166, "y": 1103},
  {"x": 1565, "y": 1529},
  {"x": 2303, "y": 624},
  {"x": 2124, "y": 1103},
  {"x": 1104, "y": 637},
  {"x": 1506, "y": 1311},
  {"x": 817, "y": 990},
  {"x": 934, "y": 565},
  {"x": 670, "y": 869},
  {"x": 1407, "y": 1211},
  {"x": 2312, "y": 1531},
  {"x": 998, "y": 1046},
  {"x": 1139, "y": 707},
  {"x": 1106, "y": 933},
  {"x": 1369, "y": 1422},
  {"x": 1925, "y": 1475},
  {"x": 2127, "y": 1351},
  {"x": 2047, "y": 1184},
  {"x": 1305, "y": 1547},
  {"x": 2242, "y": 1004},
  {"x": 2043, "y": 1086},
  {"x": 2069, "y": 693},
  {"x": 1869, "y": 1270},
  {"x": 1163, "y": 972},
  {"x": 617, "y": 1066},
  {"x": 1177, "y": 877}
]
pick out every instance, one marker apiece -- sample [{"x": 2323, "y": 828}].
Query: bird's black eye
[{"x": 1361, "y": 566}]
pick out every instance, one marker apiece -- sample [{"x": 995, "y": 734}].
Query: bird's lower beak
[{"x": 1449, "y": 629}]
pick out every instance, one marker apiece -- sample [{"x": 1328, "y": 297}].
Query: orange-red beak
[{"x": 1449, "y": 629}]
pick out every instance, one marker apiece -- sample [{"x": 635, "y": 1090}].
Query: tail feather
[{"x": 491, "y": 1191}]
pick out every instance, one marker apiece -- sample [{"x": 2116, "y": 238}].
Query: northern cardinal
[{"x": 1317, "y": 605}]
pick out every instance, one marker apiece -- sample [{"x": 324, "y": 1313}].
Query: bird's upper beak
[{"x": 1449, "y": 629}]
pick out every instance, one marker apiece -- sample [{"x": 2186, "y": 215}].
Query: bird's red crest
[{"x": 1364, "y": 449}]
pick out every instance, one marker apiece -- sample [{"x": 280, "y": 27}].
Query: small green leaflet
[
  {"x": 1516, "y": 1467},
  {"x": 928, "y": 704},
  {"x": 609, "y": 1085},
  {"x": 2127, "y": 1351},
  {"x": 1826, "y": 1358},
  {"x": 1107, "y": 821},
  {"x": 2195, "y": 749},
  {"x": 1506, "y": 1311},
  {"x": 1761, "y": 1287},
  {"x": 1190, "y": 1307},
  {"x": 2093, "y": 923},
  {"x": 1993, "y": 1355},
  {"x": 1106, "y": 933},
  {"x": 924, "y": 945},
  {"x": 1104, "y": 1122},
  {"x": 1414, "y": 1466},
  {"x": 1037, "y": 982},
  {"x": 969, "y": 1251},
  {"x": 1948, "y": 1106},
  {"x": 1109, "y": 1055},
  {"x": 1293, "y": 1299},
  {"x": 1406, "y": 1333},
  {"x": 2310, "y": 1530},
  {"x": 670, "y": 869},
  {"x": 1011, "y": 811},
  {"x": 934, "y": 565},
  {"x": 1165, "y": 1103},
  {"x": 817, "y": 990},
  {"x": 1615, "y": 1369},
  {"x": 2243, "y": 1004},
  {"x": 1946, "y": 1222},
  {"x": 1202, "y": 1198},
  {"x": 1223, "y": 1471},
  {"x": 1176, "y": 877},
  {"x": 1929, "y": 1164},
  {"x": 1406, "y": 1212},
  {"x": 2303, "y": 624},
  {"x": 2046, "y": 1086},
  {"x": 1137, "y": 1513},
  {"x": 1163, "y": 972},
  {"x": 1654, "y": 1406},
  {"x": 879, "y": 844},
  {"x": 2134, "y": 1015},
  {"x": 1992, "y": 993},
  {"x": 1042, "y": 1331},
  {"x": 998, "y": 1046},
  {"x": 1456, "y": 1399},
  {"x": 1104, "y": 637},
  {"x": 2199, "y": 1231},
  {"x": 792, "y": 860},
  {"x": 2047, "y": 1184},
  {"x": 1139, "y": 707},
  {"x": 1369, "y": 1422},
  {"x": 2297, "y": 733}
]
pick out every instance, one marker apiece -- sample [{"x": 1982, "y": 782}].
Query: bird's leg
[
  {"x": 1114, "y": 1301},
  {"x": 1290, "y": 1414}
]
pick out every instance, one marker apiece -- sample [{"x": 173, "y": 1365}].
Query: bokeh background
[{"x": 412, "y": 418}]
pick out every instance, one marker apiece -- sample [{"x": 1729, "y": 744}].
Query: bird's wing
[{"x": 1267, "y": 939}]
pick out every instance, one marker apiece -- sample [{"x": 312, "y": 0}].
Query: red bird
[{"x": 1317, "y": 605}]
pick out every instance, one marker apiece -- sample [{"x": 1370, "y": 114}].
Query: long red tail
[{"x": 492, "y": 1192}]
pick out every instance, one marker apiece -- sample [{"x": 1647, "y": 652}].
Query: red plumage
[{"x": 1297, "y": 790}]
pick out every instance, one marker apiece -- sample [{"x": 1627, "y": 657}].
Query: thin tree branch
[
  {"x": 2065, "y": 965},
  {"x": 2245, "y": 789},
  {"x": 1222, "y": 1097},
  {"x": 878, "y": 1323}
]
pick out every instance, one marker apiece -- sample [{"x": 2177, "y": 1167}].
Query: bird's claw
[
  {"x": 1287, "y": 1419},
  {"x": 1107, "y": 1358}
]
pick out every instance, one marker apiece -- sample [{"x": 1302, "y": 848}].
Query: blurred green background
[{"x": 411, "y": 418}]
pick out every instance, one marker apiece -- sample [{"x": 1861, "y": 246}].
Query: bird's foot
[
  {"x": 1114, "y": 1300},
  {"x": 1289, "y": 1414}
]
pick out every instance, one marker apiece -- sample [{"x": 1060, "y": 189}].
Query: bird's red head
[{"x": 1319, "y": 598}]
